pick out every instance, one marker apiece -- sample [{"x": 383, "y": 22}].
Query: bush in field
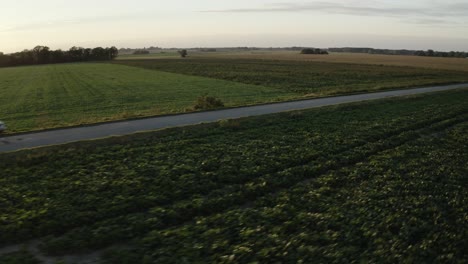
[
  {"x": 208, "y": 102},
  {"x": 314, "y": 51},
  {"x": 183, "y": 53}
]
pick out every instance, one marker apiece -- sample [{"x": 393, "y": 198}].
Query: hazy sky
[{"x": 413, "y": 24}]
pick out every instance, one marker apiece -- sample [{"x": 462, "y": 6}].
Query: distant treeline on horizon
[
  {"x": 206, "y": 49},
  {"x": 428, "y": 53},
  {"x": 44, "y": 55}
]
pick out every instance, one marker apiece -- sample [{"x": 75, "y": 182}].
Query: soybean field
[{"x": 381, "y": 182}]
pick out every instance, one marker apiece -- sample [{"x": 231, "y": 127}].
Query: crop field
[
  {"x": 454, "y": 64},
  {"x": 61, "y": 95},
  {"x": 313, "y": 79},
  {"x": 377, "y": 182}
]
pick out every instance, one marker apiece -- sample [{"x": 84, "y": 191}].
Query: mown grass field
[
  {"x": 377, "y": 182},
  {"x": 60, "y": 95},
  {"x": 314, "y": 79}
]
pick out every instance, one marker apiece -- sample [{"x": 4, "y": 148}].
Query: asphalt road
[{"x": 67, "y": 135}]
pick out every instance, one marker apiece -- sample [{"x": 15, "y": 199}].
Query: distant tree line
[
  {"x": 451, "y": 54},
  {"x": 141, "y": 52},
  {"x": 428, "y": 53},
  {"x": 131, "y": 50},
  {"x": 314, "y": 51},
  {"x": 294, "y": 48},
  {"x": 208, "y": 50},
  {"x": 44, "y": 55}
]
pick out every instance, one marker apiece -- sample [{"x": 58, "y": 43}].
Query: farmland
[
  {"x": 373, "y": 182},
  {"x": 48, "y": 96},
  {"x": 304, "y": 78},
  {"x": 453, "y": 64},
  {"x": 51, "y": 96}
]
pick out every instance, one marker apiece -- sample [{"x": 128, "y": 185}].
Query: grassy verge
[{"x": 376, "y": 181}]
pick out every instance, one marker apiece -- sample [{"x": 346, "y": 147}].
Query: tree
[
  {"x": 87, "y": 53},
  {"x": 76, "y": 53},
  {"x": 26, "y": 57},
  {"x": 420, "y": 53},
  {"x": 113, "y": 52},
  {"x": 314, "y": 51},
  {"x": 183, "y": 53},
  {"x": 41, "y": 54},
  {"x": 4, "y": 60},
  {"x": 57, "y": 56},
  {"x": 99, "y": 53}
]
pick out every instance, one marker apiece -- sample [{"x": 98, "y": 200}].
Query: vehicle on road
[{"x": 2, "y": 127}]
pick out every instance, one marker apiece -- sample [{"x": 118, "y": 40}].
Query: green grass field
[
  {"x": 375, "y": 182},
  {"x": 304, "y": 78},
  {"x": 69, "y": 94}
]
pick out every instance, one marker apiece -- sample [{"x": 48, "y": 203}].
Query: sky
[{"x": 393, "y": 24}]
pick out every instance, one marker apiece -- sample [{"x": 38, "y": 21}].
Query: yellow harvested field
[{"x": 456, "y": 64}]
